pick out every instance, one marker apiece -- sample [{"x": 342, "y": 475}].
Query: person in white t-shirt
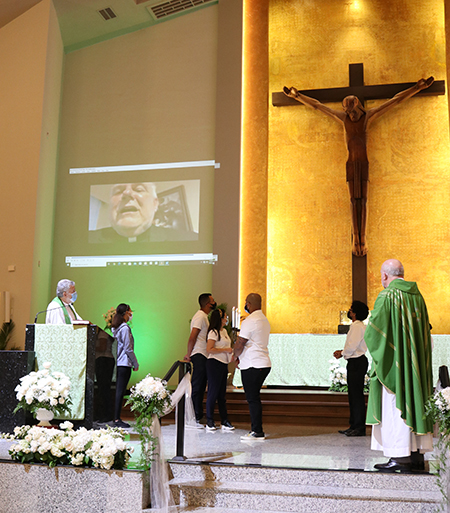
[
  {"x": 218, "y": 345},
  {"x": 197, "y": 354},
  {"x": 355, "y": 353},
  {"x": 252, "y": 354}
]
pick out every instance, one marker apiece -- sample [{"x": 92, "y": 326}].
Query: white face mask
[{"x": 130, "y": 317}]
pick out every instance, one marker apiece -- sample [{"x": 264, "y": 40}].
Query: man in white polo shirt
[{"x": 252, "y": 354}]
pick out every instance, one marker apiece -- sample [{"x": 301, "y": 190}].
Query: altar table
[{"x": 303, "y": 359}]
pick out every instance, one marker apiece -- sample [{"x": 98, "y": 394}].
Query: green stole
[
  {"x": 398, "y": 338},
  {"x": 64, "y": 309}
]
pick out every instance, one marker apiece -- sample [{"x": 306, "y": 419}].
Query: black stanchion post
[{"x": 183, "y": 368}]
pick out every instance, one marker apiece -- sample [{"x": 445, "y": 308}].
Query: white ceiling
[{"x": 80, "y": 22}]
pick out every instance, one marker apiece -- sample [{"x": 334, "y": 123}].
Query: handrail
[{"x": 183, "y": 368}]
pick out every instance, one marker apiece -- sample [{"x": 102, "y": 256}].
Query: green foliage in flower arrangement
[
  {"x": 149, "y": 399},
  {"x": 437, "y": 409}
]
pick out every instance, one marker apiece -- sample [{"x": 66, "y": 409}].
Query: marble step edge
[
  {"x": 289, "y": 490},
  {"x": 309, "y": 506},
  {"x": 332, "y": 478},
  {"x": 289, "y": 503},
  {"x": 315, "y": 506},
  {"x": 204, "y": 509}
]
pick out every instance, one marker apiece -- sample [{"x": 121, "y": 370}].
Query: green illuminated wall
[{"x": 146, "y": 97}]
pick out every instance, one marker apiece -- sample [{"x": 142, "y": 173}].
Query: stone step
[
  {"x": 297, "y": 407},
  {"x": 201, "y": 509},
  {"x": 282, "y": 490}
]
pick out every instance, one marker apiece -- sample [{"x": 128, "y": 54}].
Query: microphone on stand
[{"x": 48, "y": 309}]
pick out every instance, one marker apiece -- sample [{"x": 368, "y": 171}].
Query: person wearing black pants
[
  {"x": 252, "y": 381},
  {"x": 198, "y": 383},
  {"x": 126, "y": 359},
  {"x": 122, "y": 378},
  {"x": 197, "y": 354},
  {"x": 354, "y": 352},
  {"x": 219, "y": 351},
  {"x": 252, "y": 355},
  {"x": 356, "y": 372}
]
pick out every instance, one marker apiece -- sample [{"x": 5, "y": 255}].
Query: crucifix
[{"x": 355, "y": 119}]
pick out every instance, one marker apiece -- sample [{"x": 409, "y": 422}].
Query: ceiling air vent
[
  {"x": 170, "y": 7},
  {"x": 107, "y": 13}
]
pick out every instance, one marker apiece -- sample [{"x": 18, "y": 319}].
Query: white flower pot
[{"x": 44, "y": 416}]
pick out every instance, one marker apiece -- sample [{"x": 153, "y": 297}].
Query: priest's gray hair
[
  {"x": 393, "y": 268},
  {"x": 63, "y": 286}
]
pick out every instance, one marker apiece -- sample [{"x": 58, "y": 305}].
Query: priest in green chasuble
[{"x": 398, "y": 338}]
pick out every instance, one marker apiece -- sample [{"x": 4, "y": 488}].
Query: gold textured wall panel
[
  {"x": 253, "y": 212},
  {"x": 311, "y": 44}
]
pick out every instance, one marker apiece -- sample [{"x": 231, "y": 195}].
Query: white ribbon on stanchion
[{"x": 161, "y": 496}]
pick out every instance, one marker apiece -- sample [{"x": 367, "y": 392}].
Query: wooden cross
[{"x": 364, "y": 93}]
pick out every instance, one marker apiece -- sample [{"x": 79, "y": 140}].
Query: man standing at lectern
[
  {"x": 61, "y": 309},
  {"x": 398, "y": 338}
]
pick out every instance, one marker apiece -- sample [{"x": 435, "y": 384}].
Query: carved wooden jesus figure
[{"x": 356, "y": 121}]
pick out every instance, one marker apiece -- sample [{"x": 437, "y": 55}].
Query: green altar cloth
[{"x": 302, "y": 359}]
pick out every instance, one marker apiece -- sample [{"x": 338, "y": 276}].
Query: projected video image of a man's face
[{"x": 132, "y": 208}]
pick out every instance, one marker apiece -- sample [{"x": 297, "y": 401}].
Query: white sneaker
[
  {"x": 226, "y": 426},
  {"x": 252, "y": 436},
  {"x": 195, "y": 425},
  {"x": 211, "y": 427}
]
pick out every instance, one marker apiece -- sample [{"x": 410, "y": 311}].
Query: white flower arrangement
[
  {"x": 44, "y": 389},
  {"x": 149, "y": 399},
  {"x": 152, "y": 391},
  {"x": 102, "y": 448},
  {"x": 338, "y": 377},
  {"x": 437, "y": 410},
  {"x": 442, "y": 400}
]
